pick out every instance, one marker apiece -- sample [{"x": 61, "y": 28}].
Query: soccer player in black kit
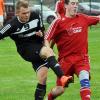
[{"x": 26, "y": 31}]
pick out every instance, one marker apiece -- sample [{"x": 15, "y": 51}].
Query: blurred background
[{"x": 89, "y": 7}]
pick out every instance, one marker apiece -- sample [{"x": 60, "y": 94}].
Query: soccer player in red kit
[
  {"x": 59, "y": 8},
  {"x": 70, "y": 33}
]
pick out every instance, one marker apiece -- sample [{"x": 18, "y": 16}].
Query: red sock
[
  {"x": 85, "y": 94},
  {"x": 50, "y": 97}
]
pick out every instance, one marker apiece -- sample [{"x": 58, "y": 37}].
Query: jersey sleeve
[
  {"x": 52, "y": 30},
  {"x": 59, "y": 7},
  {"x": 92, "y": 20},
  {"x": 5, "y": 31}
]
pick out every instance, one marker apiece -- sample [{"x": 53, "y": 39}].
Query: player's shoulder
[
  {"x": 82, "y": 15},
  {"x": 57, "y": 20},
  {"x": 60, "y": 19}
]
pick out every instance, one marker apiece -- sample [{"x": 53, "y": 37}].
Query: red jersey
[
  {"x": 71, "y": 34},
  {"x": 59, "y": 7}
]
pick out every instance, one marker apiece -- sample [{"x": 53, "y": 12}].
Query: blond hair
[{"x": 22, "y": 3}]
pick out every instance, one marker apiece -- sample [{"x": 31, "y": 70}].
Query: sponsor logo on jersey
[{"x": 74, "y": 30}]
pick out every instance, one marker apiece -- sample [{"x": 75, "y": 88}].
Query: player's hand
[
  {"x": 99, "y": 18},
  {"x": 39, "y": 33}
]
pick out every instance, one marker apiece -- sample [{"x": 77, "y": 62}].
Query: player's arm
[
  {"x": 5, "y": 31},
  {"x": 59, "y": 8},
  {"x": 39, "y": 33},
  {"x": 99, "y": 18},
  {"x": 47, "y": 43},
  {"x": 92, "y": 20},
  {"x": 51, "y": 33}
]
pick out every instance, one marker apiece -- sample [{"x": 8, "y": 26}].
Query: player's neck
[
  {"x": 69, "y": 15},
  {"x": 20, "y": 20}
]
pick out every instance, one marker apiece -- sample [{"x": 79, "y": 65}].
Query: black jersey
[
  {"x": 23, "y": 32},
  {"x": 27, "y": 42}
]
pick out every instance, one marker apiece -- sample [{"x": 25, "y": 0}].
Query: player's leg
[
  {"x": 30, "y": 52},
  {"x": 55, "y": 92},
  {"x": 48, "y": 53},
  {"x": 59, "y": 90},
  {"x": 41, "y": 86},
  {"x": 82, "y": 69},
  {"x": 85, "y": 91},
  {"x": 42, "y": 77}
]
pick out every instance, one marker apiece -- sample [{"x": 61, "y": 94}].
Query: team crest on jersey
[{"x": 74, "y": 30}]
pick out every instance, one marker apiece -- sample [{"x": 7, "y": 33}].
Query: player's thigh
[
  {"x": 82, "y": 64},
  {"x": 66, "y": 66}
]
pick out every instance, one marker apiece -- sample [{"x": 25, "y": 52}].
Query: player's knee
[
  {"x": 46, "y": 52},
  {"x": 42, "y": 79},
  {"x": 84, "y": 79}
]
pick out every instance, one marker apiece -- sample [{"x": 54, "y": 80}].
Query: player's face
[
  {"x": 72, "y": 8},
  {"x": 23, "y": 14}
]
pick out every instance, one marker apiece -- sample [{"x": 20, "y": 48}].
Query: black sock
[
  {"x": 53, "y": 64},
  {"x": 40, "y": 92}
]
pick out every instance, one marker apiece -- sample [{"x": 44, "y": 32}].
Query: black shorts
[{"x": 31, "y": 52}]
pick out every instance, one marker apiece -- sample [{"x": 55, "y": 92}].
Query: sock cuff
[
  {"x": 50, "y": 58},
  {"x": 41, "y": 86}
]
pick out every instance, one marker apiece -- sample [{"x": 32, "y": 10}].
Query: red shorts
[{"x": 73, "y": 65}]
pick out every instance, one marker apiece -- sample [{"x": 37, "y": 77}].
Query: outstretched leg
[
  {"x": 58, "y": 90},
  {"x": 85, "y": 91}
]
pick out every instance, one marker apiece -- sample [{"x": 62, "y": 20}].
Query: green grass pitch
[{"x": 18, "y": 79}]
